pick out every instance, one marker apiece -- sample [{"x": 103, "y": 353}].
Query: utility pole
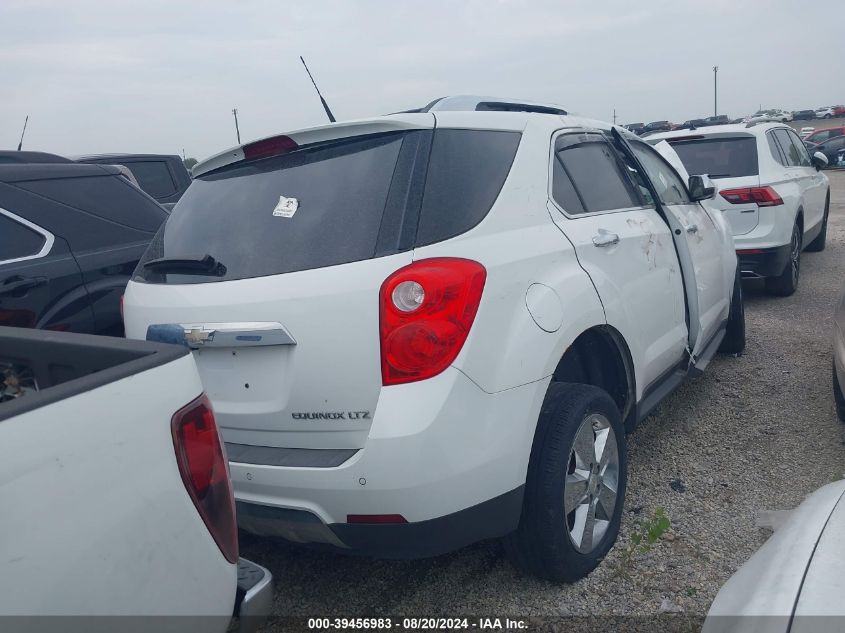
[
  {"x": 614, "y": 116},
  {"x": 715, "y": 101},
  {"x": 26, "y": 120},
  {"x": 237, "y": 129}
]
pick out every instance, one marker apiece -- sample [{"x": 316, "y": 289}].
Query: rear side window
[
  {"x": 719, "y": 157},
  {"x": 587, "y": 176},
  {"x": 465, "y": 174},
  {"x": 154, "y": 177},
  {"x": 774, "y": 148},
  {"x": 793, "y": 158},
  {"x": 17, "y": 240},
  {"x": 335, "y": 203},
  {"x": 110, "y": 197}
]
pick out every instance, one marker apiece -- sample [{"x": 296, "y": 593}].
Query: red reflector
[
  {"x": 750, "y": 251},
  {"x": 761, "y": 196},
  {"x": 426, "y": 311},
  {"x": 267, "y": 147},
  {"x": 375, "y": 518},
  {"x": 205, "y": 473}
]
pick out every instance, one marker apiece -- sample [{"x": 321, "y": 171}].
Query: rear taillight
[
  {"x": 761, "y": 196},
  {"x": 426, "y": 311},
  {"x": 205, "y": 473},
  {"x": 267, "y": 147},
  {"x": 375, "y": 518},
  {"x": 121, "y": 308}
]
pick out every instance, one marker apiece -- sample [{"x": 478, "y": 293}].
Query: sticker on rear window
[{"x": 286, "y": 207}]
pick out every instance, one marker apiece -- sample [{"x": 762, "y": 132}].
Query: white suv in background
[
  {"x": 770, "y": 189},
  {"x": 434, "y": 327}
]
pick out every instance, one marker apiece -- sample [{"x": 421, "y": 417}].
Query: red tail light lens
[
  {"x": 267, "y": 147},
  {"x": 426, "y": 311},
  {"x": 761, "y": 196},
  {"x": 375, "y": 518},
  {"x": 205, "y": 472}
]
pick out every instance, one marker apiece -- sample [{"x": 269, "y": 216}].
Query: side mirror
[
  {"x": 819, "y": 160},
  {"x": 701, "y": 188}
]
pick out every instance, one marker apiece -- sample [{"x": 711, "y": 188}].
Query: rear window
[
  {"x": 335, "y": 203},
  {"x": 719, "y": 157},
  {"x": 154, "y": 177}
]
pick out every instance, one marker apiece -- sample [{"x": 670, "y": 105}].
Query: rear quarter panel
[
  {"x": 519, "y": 245},
  {"x": 96, "y": 519}
]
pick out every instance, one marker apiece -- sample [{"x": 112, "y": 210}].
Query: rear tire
[
  {"x": 578, "y": 469},
  {"x": 838, "y": 397},
  {"x": 818, "y": 244},
  {"x": 734, "y": 341},
  {"x": 786, "y": 283}
]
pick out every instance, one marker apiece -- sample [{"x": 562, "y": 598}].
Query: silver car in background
[{"x": 795, "y": 582}]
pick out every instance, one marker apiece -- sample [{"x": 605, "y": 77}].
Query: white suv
[
  {"x": 434, "y": 327},
  {"x": 770, "y": 189}
]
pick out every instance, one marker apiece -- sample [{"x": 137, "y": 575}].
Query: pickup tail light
[
  {"x": 205, "y": 472},
  {"x": 761, "y": 196},
  {"x": 425, "y": 313}
]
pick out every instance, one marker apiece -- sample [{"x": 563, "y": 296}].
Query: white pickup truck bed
[{"x": 96, "y": 519}]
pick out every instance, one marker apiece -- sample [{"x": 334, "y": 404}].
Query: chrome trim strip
[
  {"x": 236, "y": 334},
  {"x": 49, "y": 238}
]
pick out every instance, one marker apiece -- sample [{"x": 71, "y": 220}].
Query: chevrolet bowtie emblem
[{"x": 197, "y": 337}]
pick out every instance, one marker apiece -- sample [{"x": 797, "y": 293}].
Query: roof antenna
[
  {"x": 26, "y": 120},
  {"x": 325, "y": 105}
]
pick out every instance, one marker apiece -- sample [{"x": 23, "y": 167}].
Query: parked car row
[{"x": 771, "y": 114}]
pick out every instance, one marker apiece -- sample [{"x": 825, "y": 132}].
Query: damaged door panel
[{"x": 624, "y": 246}]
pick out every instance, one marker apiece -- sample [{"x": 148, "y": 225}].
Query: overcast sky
[{"x": 163, "y": 76}]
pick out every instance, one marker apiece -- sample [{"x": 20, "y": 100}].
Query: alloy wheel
[{"x": 592, "y": 481}]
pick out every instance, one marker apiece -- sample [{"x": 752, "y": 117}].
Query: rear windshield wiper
[{"x": 205, "y": 265}]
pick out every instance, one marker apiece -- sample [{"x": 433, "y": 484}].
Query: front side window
[
  {"x": 587, "y": 176},
  {"x": 668, "y": 185},
  {"x": 800, "y": 149},
  {"x": 18, "y": 241}
]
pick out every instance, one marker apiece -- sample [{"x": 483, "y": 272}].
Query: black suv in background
[
  {"x": 163, "y": 177},
  {"x": 70, "y": 237}
]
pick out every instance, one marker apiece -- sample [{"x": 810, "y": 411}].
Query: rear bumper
[
  {"x": 447, "y": 457},
  {"x": 254, "y": 598},
  {"x": 763, "y": 262},
  {"x": 420, "y": 539}
]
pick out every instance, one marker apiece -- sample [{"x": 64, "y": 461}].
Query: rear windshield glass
[
  {"x": 334, "y": 203},
  {"x": 719, "y": 157}
]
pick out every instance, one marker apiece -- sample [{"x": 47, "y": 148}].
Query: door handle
[
  {"x": 16, "y": 284},
  {"x": 605, "y": 238},
  {"x": 692, "y": 228}
]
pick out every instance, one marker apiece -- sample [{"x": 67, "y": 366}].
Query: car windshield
[{"x": 722, "y": 157}]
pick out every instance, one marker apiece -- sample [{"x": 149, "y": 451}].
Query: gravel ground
[{"x": 752, "y": 434}]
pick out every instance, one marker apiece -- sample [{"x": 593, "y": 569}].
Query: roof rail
[
  {"x": 474, "y": 103},
  {"x": 753, "y": 123}
]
